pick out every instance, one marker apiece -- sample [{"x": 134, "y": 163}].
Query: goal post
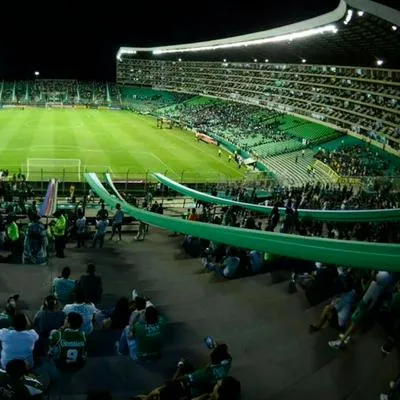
[
  {"x": 66, "y": 169},
  {"x": 54, "y": 104}
]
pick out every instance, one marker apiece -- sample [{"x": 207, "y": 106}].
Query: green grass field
[{"x": 43, "y": 142}]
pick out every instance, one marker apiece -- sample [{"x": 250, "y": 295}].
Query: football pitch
[{"x": 64, "y": 143}]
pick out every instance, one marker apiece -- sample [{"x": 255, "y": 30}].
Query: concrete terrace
[{"x": 266, "y": 328}]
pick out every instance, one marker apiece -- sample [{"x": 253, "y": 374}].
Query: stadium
[{"x": 253, "y": 185}]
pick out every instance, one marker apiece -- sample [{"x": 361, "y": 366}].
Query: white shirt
[
  {"x": 87, "y": 311},
  {"x": 17, "y": 345}
]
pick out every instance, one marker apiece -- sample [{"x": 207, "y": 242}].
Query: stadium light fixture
[
  {"x": 266, "y": 60},
  {"x": 360, "y": 13},
  {"x": 255, "y": 60},
  {"x": 275, "y": 39},
  {"x": 124, "y": 50},
  {"x": 349, "y": 16},
  {"x": 224, "y": 60},
  {"x": 36, "y": 73},
  {"x": 303, "y": 60},
  {"x": 394, "y": 28},
  {"x": 179, "y": 59},
  {"x": 379, "y": 62}
]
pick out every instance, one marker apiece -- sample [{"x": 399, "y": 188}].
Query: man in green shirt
[
  {"x": 13, "y": 235},
  {"x": 68, "y": 344},
  {"x": 148, "y": 336},
  {"x": 204, "y": 379}
]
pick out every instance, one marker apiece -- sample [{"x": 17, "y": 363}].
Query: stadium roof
[{"x": 357, "y": 32}]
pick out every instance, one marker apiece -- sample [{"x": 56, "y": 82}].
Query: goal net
[
  {"x": 54, "y": 104},
  {"x": 65, "y": 169}
]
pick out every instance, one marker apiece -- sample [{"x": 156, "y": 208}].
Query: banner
[
  {"x": 340, "y": 252},
  {"x": 205, "y": 138}
]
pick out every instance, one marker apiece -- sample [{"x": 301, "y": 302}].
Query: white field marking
[
  {"x": 163, "y": 163},
  {"x": 199, "y": 148}
]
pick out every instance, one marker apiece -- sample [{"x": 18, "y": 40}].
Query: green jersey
[
  {"x": 149, "y": 339},
  {"x": 203, "y": 380},
  {"x": 68, "y": 348},
  {"x": 20, "y": 389}
]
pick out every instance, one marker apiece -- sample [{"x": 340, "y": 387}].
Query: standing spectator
[
  {"x": 12, "y": 235},
  {"x": 35, "y": 244},
  {"x": 101, "y": 227},
  {"x": 59, "y": 233},
  {"x": 63, "y": 287},
  {"x": 91, "y": 285},
  {"x": 67, "y": 345},
  {"x": 2, "y": 232},
  {"x": 18, "y": 343},
  {"x": 32, "y": 211},
  {"x": 103, "y": 212},
  {"x": 117, "y": 222},
  {"x": 81, "y": 229},
  {"x": 86, "y": 309}
]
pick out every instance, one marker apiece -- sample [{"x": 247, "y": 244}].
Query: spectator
[
  {"x": 17, "y": 384},
  {"x": 49, "y": 317},
  {"x": 67, "y": 346},
  {"x": 81, "y": 229},
  {"x": 202, "y": 381},
  {"x": 229, "y": 267},
  {"x": 63, "y": 287},
  {"x": 59, "y": 230},
  {"x": 86, "y": 309},
  {"x": 118, "y": 317},
  {"x": 148, "y": 336},
  {"x": 18, "y": 343},
  {"x": 13, "y": 236},
  {"x": 103, "y": 212},
  {"x": 101, "y": 227},
  {"x": 6, "y": 316},
  {"x": 2, "y": 232},
  {"x": 117, "y": 222},
  {"x": 91, "y": 285},
  {"x": 35, "y": 244},
  {"x": 32, "y": 211}
]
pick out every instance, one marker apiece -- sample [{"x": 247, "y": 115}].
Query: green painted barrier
[
  {"x": 346, "y": 253},
  {"x": 321, "y": 215}
]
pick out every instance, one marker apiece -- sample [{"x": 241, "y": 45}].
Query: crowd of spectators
[{"x": 357, "y": 161}]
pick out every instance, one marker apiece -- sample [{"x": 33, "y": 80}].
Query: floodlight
[
  {"x": 348, "y": 17},
  {"x": 303, "y": 60},
  {"x": 360, "y": 13},
  {"x": 37, "y": 73},
  {"x": 379, "y": 62},
  {"x": 394, "y": 28},
  {"x": 255, "y": 60},
  {"x": 179, "y": 59},
  {"x": 224, "y": 60},
  {"x": 266, "y": 60}
]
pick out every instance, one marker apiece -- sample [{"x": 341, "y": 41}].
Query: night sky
[{"x": 73, "y": 40}]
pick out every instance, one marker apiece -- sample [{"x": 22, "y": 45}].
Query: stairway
[
  {"x": 288, "y": 171},
  {"x": 265, "y": 327}
]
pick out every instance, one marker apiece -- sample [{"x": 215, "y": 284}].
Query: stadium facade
[{"x": 339, "y": 69}]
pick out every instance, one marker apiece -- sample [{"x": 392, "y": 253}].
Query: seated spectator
[
  {"x": 148, "y": 336},
  {"x": 227, "y": 388},
  {"x": 18, "y": 343},
  {"x": 49, "y": 317},
  {"x": 337, "y": 314},
  {"x": 17, "y": 384},
  {"x": 255, "y": 261},
  {"x": 6, "y": 316},
  {"x": 64, "y": 287},
  {"x": 67, "y": 346},
  {"x": 203, "y": 380},
  {"x": 86, "y": 309},
  {"x": 172, "y": 390},
  {"x": 118, "y": 316},
  {"x": 91, "y": 285},
  {"x": 229, "y": 266}
]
